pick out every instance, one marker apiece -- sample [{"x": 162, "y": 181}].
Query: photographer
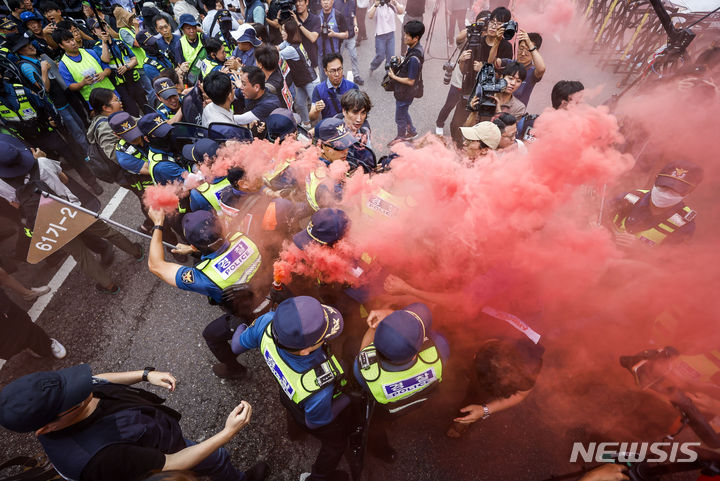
[
  {"x": 408, "y": 81},
  {"x": 301, "y": 72},
  {"x": 309, "y": 25},
  {"x": 167, "y": 41},
  {"x": 528, "y": 55},
  {"x": 347, "y": 9},
  {"x": 211, "y": 22},
  {"x": 384, "y": 12},
  {"x": 333, "y": 30}
]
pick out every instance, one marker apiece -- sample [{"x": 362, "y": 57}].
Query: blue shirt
[
  {"x": 168, "y": 48},
  {"x": 130, "y": 162},
  {"x": 167, "y": 171},
  {"x": 198, "y": 201},
  {"x": 263, "y": 107},
  {"x": 247, "y": 58},
  {"x": 525, "y": 89},
  {"x": 331, "y": 96},
  {"x": 193, "y": 280},
  {"x": 440, "y": 342},
  {"x": 318, "y": 406},
  {"x": 151, "y": 71},
  {"x": 65, "y": 73},
  {"x": 347, "y": 10}
]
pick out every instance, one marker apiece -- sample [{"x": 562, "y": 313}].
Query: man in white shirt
[
  {"x": 259, "y": 103},
  {"x": 384, "y": 15},
  {"x": 211, "y": 24},
  {"x": 181, "y": 7}
]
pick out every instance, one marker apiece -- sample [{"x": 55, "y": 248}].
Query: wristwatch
[
  {"x": 147, "y": 371},
  {"x": 532, "y": 49},
  {"x": 157, "y": 227},
  {"x": 486, "y": 412}
]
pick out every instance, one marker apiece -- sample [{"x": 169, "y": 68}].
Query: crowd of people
[{"x": 157, "y": 100}]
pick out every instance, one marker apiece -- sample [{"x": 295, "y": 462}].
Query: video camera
[
  {"x": 486, "y": 86},
  {"x": 474, "y": 33},
  {"x": 286, "y": 7}
]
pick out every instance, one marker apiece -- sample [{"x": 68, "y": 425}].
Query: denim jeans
[
  {"x": 384, "y": 49},
  {"x": 304, "y": 94},
  {"x": 402, "y": 118},
  {"x": 148, "y": 88},
  {"x": 349, "y": 45},
  {"x": 217, "y": 466},
  {"x": 74, "y": 125}
]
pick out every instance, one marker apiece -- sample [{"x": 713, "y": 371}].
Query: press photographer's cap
[
  {"x": 302, "y": 322},
  {"x": 400, "y": 336},
  {"x": 326, "y": 227},
  {"x": 486, "y": 132},
  {"x": 31, "y": 402},
  {"x": 682, "y": 176},
  {"x": 154, "y": 125},
  {"x": 165, "y": 87},
  {"x": 124, "y": 125}
]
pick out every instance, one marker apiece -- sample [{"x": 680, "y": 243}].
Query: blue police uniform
[
  {"x": 129, "y": 162},
  {"x": 193, "y": 280},
  {"x": 166, "y": 171}
]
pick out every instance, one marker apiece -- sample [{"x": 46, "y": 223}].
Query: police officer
[
  {"x": 226, "y": 261},
  {"x": 293, "y": 341},
  {"x": 156, "y": 60},
  {"x": 36, "y": 121},
  {"x": 400, "y": 363},
  {"x": 100, "y": 428},
  {"x": 217, "y": 55},
  {"x": 205, "y": 196},
  {"x": 162, "y": 165},
  {"x": 169, "y": 99},
  {"x": 658, "y": 216},
  {"x": 335, "y": 140}
]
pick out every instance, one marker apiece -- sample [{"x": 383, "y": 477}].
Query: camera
[
  {"x": 510, "y": 29},
  {"x": 324, "y": 29},
  {"x": 394, "y": 64},
  {"x": 286, "y": 7},
  {"x": 486, "y": 86},
  {"x": 448, "y": 67},
  {"x": 474, "y": 34},
  {"x": 384, "y": 2}
]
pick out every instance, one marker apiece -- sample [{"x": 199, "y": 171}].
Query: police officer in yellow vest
[
  {"x": 225, "y": 261},
  {"x": 169, "y": 100},
  {"x": 400, "y": 364},
  {"x": 82, "y": 70},
  {"x": 205, "y": 196},
  {"x": 335, "y": 140},
  {"x": 190, "y": 50},
  {"x": 658, "y": 216},
  {"x": 163, "y": 166},
  {"x": 293, "y": 341}
]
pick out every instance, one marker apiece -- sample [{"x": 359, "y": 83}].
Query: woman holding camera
[
  {"x": 384, "y": 11},
  {"x": 301, "y": 71}
]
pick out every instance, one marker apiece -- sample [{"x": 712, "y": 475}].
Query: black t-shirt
[
  {"x": 505, "y": 50},
  {"x": 312, "y": 23},
  {"x": 273, "y": 33},
  {"x": 118, "y": 462},
  {"x": 263, "y": 107}
]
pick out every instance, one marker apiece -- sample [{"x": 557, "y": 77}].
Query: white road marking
[{"x": 57, "y": 281}]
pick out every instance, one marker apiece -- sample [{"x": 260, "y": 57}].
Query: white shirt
[
  {"x": 216, "y": 113},
  {"x": 210, "y": 18},
  {"x": 384, "y": 20},
  {"x": 182, "y": 7},
  {"x": 49, "y": 173}
]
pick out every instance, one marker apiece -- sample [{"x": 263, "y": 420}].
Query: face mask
[{"x": 664, "y": 198}]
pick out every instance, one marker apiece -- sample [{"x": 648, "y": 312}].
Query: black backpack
[{"x": 105, "y": 168}]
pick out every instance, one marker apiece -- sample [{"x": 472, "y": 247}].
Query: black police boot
[{"x": 225, "y": 371}]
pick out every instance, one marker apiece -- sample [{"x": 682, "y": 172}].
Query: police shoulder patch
[{"x": 188, "y": 277}]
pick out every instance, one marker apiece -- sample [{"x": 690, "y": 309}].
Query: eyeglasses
[
  {"x": 115, "y": 99},
  {"x": 335, "y": 70}
]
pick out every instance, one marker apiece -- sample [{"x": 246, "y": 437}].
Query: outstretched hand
[{"x": 162, "y": 379}]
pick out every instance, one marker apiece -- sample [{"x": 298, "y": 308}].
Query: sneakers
[
  {"x": 336, "y": 475},
  {"x": 36, "y": 292},
  {"x": 396, "y": 140},
  {"x": 58, "y": 349},
  {"x": 411, "y": 134},
  {"x": 258, "y": 471},
  {"x": 141, "y": 255},
  {"x": 359, "y": 81},
  {"x": 113, "y": 289},
  {"x": 224, "y": 371},
  {"x": 439, "y": 131}
]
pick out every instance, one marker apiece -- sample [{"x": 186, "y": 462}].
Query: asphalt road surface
[{"x": 149, "y": 323}]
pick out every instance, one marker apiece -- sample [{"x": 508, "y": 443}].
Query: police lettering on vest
[
  {"x": 236, "y": 265},
  {"x": 212, "y": 192}
]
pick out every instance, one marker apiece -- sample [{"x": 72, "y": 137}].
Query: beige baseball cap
[{"x": 487, "y": 132}]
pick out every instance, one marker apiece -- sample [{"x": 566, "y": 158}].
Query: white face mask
[{"x": 662, "y": 197}]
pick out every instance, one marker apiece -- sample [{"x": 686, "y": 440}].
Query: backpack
[{"x": 102, "y": 166}]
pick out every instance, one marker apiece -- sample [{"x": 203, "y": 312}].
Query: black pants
[
  {"x": 333, "y": 442},
  {"x": 458, "y": 120},
  {"x": 132, "y": 96},
  {"x": 55, "y": 147},
  {"x": 453, "y": 97},
  {"x": 18, "y": 332},
  {"x": 217, "y": 335}
]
